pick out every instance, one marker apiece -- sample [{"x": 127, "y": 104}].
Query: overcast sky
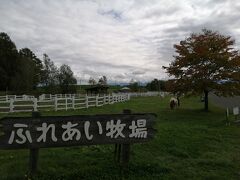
[{"x": 121, "y": 39}]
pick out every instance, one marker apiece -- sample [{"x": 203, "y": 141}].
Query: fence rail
[{"x": 12, "y": 103}]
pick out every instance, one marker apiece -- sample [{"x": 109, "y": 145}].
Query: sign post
[
  {"x": 33, "y": 153},
  {"x": 125, "y": 148},
  {"x": 236, "y": 113}
]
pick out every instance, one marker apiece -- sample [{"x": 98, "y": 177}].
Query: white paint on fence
[{"x": 56, "y": 102}]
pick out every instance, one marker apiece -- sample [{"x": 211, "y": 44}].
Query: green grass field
[{"x": 190, "y": 144}]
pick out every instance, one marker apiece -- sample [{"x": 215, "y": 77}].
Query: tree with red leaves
[{"x": 205, "y": 62}]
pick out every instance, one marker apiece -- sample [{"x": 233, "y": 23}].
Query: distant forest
[{"x": 23, "y": 72}]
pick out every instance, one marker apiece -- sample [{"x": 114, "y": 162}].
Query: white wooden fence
[
  {"x": 24, "y": 103},
  {"x": 131, "y": 94}
]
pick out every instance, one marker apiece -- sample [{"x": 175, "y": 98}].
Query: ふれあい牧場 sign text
[{"x": 42, "y": 132}]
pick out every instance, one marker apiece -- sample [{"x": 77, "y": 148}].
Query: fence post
[
  {"x": 104, "y": 99},
  {"x": 73, "y": 102},
  {"x": 125, "y": 151},
  {"x": 97, "y": 96},
  {"x": 126, "y": 147},
  {"x": 11, "y": 105},
  {"x": 35, "y": 104},
  {"x": 128, "y": 98},
  {"x": 109, "y": 98},
  {"x": 55, "y": 104},
  {"x": 66, "y": 103},
  {"x": 113, "y": 99},
  {"x": 86, "y": 100},
  {"x": 41, "y": 97}
]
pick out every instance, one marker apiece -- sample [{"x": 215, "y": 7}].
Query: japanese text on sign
[{"x": 55, "y": 131}]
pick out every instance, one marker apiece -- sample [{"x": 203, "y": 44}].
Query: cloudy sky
[{"x": 121, "y": 39}]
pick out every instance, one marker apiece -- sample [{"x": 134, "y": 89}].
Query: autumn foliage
[{"x": 206, "y": 62}]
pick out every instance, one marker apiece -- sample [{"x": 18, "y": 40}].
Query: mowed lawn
[{"x": 189, "y": 144}]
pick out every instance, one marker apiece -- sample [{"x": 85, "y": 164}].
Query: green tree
[
  {"x": 36, "y": 66},
  {"x": 134, "y": 86},
  {"x": 206, "y": 62},
  {"x": 67, "y": 81},
  {"x": 102, "y": 80},
  {"x": 49, "y": 77},
  {"x": 156, "y": 85},
  {"x": 91, "y": 81},
  {"x": 8, "y": 62},
  {"x": 24, "y": 77},
  {"x": 50, "y": 72}
]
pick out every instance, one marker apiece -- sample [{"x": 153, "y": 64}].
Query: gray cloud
[
  {"x": 138, "y": 72},
  {"x": 120, "y": 39}
]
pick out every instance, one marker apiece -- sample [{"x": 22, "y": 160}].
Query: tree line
[
  {"x": 102, "y": 81},
  {"x": 23, "y": 72},
  {"x": 156, "y": 85}
]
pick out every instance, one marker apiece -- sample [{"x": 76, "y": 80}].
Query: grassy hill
[{"x": 190, "y": 144}]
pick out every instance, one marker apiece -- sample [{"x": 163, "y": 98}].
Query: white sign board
[{"x": 235, "y": 110}]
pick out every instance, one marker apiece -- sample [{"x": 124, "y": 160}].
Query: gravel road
[{"x": 225, "y": 102}]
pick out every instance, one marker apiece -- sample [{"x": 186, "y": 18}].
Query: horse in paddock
[{"x": 173, "y": 102}]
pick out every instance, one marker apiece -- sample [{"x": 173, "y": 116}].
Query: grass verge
[{"x": 190, "y": 144}]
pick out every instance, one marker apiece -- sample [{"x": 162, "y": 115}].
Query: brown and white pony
[{"x": 173, "y": 102}]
